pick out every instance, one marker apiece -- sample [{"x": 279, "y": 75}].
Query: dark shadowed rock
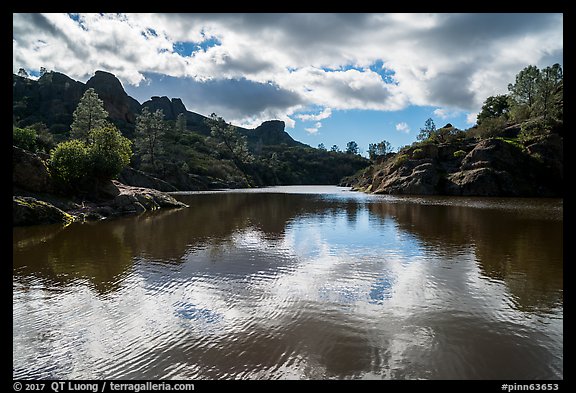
[
  {"x": 54, "y": 97},
  {"x": 119, "y": 105},
  {"x": 171, "y": 107},
  {"x": 30, "y": 172},
  {"x": 51, "y": 99},
  {"x": 160, "y": 103},
  {"x": 136, "y": 178},
  {"x": 270, "y": 133},
  {"x": 483, "y": 181}
]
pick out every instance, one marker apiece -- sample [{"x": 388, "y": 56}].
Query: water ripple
[{"x": 314, "y": 287}]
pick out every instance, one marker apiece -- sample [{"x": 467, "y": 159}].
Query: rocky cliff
[
  {"x": 120, "y": 106},
  {"x": 490, "y": 167},
  {"x": 270, "y": 133}
]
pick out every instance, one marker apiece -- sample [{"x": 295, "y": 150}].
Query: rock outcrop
[
  {"x": 131, "y": 200},
  {"x": 271, "y": 132},
  {"x": 136, "y": 178},
  {"x": 51, "y": 99},
  {"x": 491, "y": 167},
  {"x": 170, "y": 108},
  {"x": 119, "y": 105},
  {"x": 31, "y": 211},
  {"x": 30, "y": 172}
]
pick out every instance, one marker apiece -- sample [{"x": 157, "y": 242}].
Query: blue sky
[{"x": 331, "y": 78}]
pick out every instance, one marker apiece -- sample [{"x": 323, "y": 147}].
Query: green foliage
[
  {"x": 418, "y": 154},
  {"x": 109, "y": 152},
  {"x": 551, "y": 92},
  {"x": 428, "y": 131},
  {"x": 490, "y": 127},
  {"x": 305, "y": 165},
  {"x": 335, "y": 149},
  {"x": 516, "y": 142},
  {"x": 24, "y": 138},
  {"x": 400, "y": 159},
  {"x": 75, "y": 164},
  {"x": 180, "y": 125},
  {"x": 44, "y": 138},
  {"x": 448, "y": 133},
  {"x": 89, "y": 114},
  {"x": 69, "y": 163},
  {"x": 525, "y": 89},
  {"x": 520, "y": 112},
  {"x": 230, "y": 141},
  {"x": 352, "y": 147},
  {"x": 533, "y": 129},
  {"x": 494, "y": 107},
  {"x": 459, "y": 153},
  {"x": 150, "y": 128},
  {"x": 537, "y": 93},
  {"x": 321, "y": 147},
  {"x": 379, "y": 149}
]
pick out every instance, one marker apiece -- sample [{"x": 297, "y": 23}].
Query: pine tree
[
  {"x": 89, "y": 114},
  {"x": 524, "y": 91},
  {"x": 150, "y": 128}
]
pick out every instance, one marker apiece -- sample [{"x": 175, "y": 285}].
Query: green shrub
[
  {"x": 533, "y": 129},
  {"x": 513, "y": 142},
  {"x": 459, "y": 153},
  {"x": 75, "y": 164},
  {"x": 400, "y": 159},
  {"x": 490, "y": 127},
  {"x": 109, "y": 152},
  {"x": 418, "y": 154},
  {"x": 24, "y": 138},
  {"x": 69, "y": 163}
]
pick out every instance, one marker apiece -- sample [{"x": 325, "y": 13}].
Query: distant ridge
[{"x": 53, "y": 98}]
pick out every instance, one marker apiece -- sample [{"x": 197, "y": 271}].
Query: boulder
[
  {"x": 138, "y": 199},
  {"x": 412, "y": 177},
  {"x": 481, "y": 182},
  {"x": 127, "y": 204},
  {"x": 494, "y": 153},
  {"x": 30, "y": 172},
  {"x": 31, "y": 211}
]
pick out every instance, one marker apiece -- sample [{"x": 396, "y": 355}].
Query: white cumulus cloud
[
  {"x": 326, "y": 113},
  {"x": 313, "y": 130},
  {"x": 403, "y": 127},
  {"x": 382, "y": 62}
]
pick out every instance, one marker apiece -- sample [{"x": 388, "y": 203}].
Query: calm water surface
[{"x": 295, "y": 283}]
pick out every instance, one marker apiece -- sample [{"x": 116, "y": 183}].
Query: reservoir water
[{"x": 301, "y": 282}]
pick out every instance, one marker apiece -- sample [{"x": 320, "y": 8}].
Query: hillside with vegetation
[
  {"x": 91, "y": 151},
  {"x": 515, "y": 148},
  {"x": 181, "y": 148}
]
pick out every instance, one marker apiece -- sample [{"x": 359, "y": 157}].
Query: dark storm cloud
[
  {"x": 479, "y": 32},
  {"x": 233, "y": 96}
]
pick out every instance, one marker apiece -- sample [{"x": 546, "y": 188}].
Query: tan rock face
[{"x": 491, "y": 167}]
